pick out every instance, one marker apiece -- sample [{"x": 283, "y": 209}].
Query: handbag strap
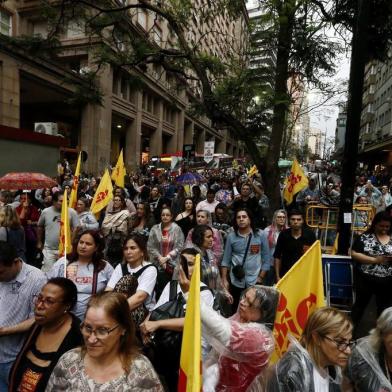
[
  {"x": 95, "y": 281},
  {"x": 246, "y": 250},
  {"x": 173, "y": 290},
  {"x": 136, "y": 274}
]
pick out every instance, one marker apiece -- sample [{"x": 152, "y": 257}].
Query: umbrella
[
  {"x": 283, "y": 163},
  {"x": 189, "y": 178},
  {"x": 26, "y": 181}
]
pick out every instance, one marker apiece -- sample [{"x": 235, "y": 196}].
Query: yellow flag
[
  {"x": 252, "y": 171},
  {"x": 119, "y": 172},
  {"x": 103, "y": 194},
  {"x": 74, "y": 192},
  {"x": 295, "y": 182},
  {"x": 301, "y": 293},
  {"x": 190, "y": 362},
  {"x": 65, "y": 245}
]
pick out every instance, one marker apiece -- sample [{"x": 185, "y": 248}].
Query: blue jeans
[{"x": 4, "y": 373}]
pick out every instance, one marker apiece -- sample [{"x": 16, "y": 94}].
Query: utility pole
[{"x": 350, "y": 157}]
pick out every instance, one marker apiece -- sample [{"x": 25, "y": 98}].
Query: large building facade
[
  {"x": 375, "y": 141},
  {"x": 144, "y": 121}
]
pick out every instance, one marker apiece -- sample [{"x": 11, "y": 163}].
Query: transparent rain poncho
[
  {"x": 364, "y": 368},
  {"x": 294, "y": 372},
  {"x": 241, "y": 351}
]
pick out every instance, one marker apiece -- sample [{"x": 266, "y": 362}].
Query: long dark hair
[
  {"x": 141, "y": 242},
  {"x": 381, "y": 216},
  {"x": 147, "y": 214},
  {"x": 97, "y": 258},
  {"x": 193, "y": 205},
  {"x": 198, "y": 234},
  {"x": 250, "y": 215}
]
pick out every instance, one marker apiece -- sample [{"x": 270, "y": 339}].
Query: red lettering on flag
[
  {"x": 292, "y": 181},
  {"x": 304, "y": 309},
  {"x": 102, "y": 196}
]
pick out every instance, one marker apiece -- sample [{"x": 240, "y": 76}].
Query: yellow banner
[
  {"x": 65, "y": 245},
  {"x": 295, "y": 182},
  {"x": 119, "y": 171},
  {"x": 103, "y": 194},
  {"x": 301, "y": 293},
  {"x": 190, "y": 362},
  {"x": 74, "y": 192}
]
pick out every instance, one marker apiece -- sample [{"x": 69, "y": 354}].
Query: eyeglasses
[
  {"x": 100, "y": 333},
  {"x": 46, "y": 301},
  {"x": 342, "y": 345}
]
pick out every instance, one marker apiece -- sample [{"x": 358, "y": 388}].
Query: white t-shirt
[
  {"x": 321, "y": 384},
  {"x": 146, "y": 281},
  {"x": 82, "y": 276},
  {"x": 205, "y": 296}
]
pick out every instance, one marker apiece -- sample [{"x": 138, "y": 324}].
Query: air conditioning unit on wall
[{"x": 49, "y": 128}]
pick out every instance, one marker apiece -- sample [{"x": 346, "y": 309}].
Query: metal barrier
[{"x": 324, "y": 219}]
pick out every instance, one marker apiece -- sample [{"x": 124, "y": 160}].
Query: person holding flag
[
  {"x": 315, "y": 363},
  {"x": 242, "y": 345},
  {"x": 295, "y": 182},
  {"x": 49, "y": 230},
  {"x": 119, "y": 171}
]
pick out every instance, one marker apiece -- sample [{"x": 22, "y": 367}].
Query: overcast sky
[{"x": 325, "y": 116}]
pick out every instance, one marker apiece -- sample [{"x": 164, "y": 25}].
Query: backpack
[
  {"x": 174, "y": 308},
  {"x": 128, "y": 285}
]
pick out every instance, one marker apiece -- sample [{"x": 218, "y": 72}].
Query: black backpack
[{"x": 128, "y": 285}]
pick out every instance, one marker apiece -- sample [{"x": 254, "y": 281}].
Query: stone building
[{"x": 145, "y": 122}]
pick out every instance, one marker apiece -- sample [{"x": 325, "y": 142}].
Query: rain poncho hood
[{"x": 366, "y": 368}]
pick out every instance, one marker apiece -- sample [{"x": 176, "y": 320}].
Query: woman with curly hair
[{"x": 85, "y": 267}]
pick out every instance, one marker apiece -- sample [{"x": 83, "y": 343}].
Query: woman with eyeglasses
[
  {"x": 109, "y": 359},
  {"x": 85, "y": 267},
  {"x": 55, "y": 331},
  {"x": 241, "y": 345},
  {"x": 315, "y": 363},
  {"x": 369, "y": 367}
]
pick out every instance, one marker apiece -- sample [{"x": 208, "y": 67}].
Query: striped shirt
[{"x": 16, "y": 305}]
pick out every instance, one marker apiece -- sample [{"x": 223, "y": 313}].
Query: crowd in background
[{"x": 109, "y": 316}]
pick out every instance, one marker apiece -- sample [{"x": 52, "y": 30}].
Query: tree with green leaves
[{"x": 230, "y": 93}]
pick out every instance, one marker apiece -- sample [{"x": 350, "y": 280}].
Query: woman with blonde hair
[
  {"x": 314, "y": 364},
  {"x": 370, "y": 365},
  {"x": 271, "y": 233},
  {"x": 11, "y": 230},
  {"x": 109, "y": 360}
]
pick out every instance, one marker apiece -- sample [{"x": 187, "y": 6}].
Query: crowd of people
[{"x": 109, "y": 316}]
